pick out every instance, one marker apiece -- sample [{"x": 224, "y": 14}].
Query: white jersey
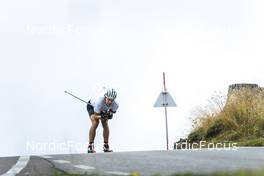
[{"x": 100, "y": 105}]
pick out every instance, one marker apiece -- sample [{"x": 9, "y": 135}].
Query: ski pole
[{"x": 75, "y": 97}]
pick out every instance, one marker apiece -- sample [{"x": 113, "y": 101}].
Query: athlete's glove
[
  {"x": 110, "y": 115},
  {"x": 104, "y": 115},
  {"x": 107, "y": 115}
]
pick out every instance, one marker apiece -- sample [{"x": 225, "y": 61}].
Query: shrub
[
  {"x": 215, "y": 129},
  {"x": 238, "y": 116},
  {"x": 196, "y": 136}
]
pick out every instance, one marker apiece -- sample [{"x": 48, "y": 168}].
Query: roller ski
[{"x": 106, "y": 148}]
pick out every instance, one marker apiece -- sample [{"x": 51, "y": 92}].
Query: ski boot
[
  {"x": 91, "y": 148},
  {"x": 106, "y": 148}
]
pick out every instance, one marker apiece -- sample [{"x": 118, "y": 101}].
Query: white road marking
[
  {"x": 84, "y": 167},
  {"x": 117, "y": 173},
  {"x": 61, "y": 161},
  {"x": 20, "y": 165}
]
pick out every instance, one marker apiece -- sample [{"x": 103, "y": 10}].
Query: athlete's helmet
[{"x": 110, "y": 93}]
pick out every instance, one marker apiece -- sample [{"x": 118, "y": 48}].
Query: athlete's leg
[
  {"x": 105, "y": 130},
  {"x": 93, "y": 128}
]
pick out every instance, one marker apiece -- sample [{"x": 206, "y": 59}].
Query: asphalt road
[{"x": 145, "y": 162}]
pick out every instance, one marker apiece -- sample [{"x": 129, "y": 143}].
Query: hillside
[{"x": 237, "y": 117}]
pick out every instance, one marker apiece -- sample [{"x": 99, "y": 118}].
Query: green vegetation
[
  {"x": 60, "y": 173},
  {"x": 237, "y": 118},
  {"x": 237, "y": 173}
]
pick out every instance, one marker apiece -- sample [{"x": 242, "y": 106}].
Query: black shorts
[{"x": 90, "y": 109}]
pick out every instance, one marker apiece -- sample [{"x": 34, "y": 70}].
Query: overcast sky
[{"x": 48, "y": 46}]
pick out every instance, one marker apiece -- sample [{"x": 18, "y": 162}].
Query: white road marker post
[{"x": 165, "y": 100}]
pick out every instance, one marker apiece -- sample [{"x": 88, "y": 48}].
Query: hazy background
[{"x": 49, "y": 46}]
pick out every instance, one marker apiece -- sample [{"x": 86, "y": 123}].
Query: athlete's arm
[{"x": 97, "y": 109}]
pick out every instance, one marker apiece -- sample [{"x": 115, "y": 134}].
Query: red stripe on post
[{"x": 164, "y": 83}]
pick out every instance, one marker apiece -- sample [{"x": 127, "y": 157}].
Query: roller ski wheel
[
  {"x": 91, "y": 151},
  {"x": 108, "y": 151}
]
